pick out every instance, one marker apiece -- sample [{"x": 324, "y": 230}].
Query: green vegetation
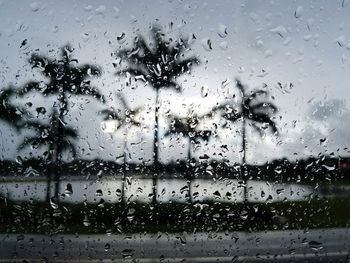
[{"x": 105, "y": 218}]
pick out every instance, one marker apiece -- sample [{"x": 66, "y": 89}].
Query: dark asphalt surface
[{"x": 321, "y": 245}]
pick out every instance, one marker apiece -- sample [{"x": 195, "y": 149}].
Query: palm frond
[
  {"x": 88, "y": 70},
  {"x": 48, "y": 66},
  {"x": 239, "y": 85},
  {"x": 111, "y": 114},
  {"x": 132, "y": 71},
  {"x": 66, "y": 51},
  {"x": 159, "y": 63},
  {"x": 264, "y": 107},
  {"x": 184, "y": 65},
  {"x": 69, "y": 132},
  {"x": 9, "y": 112},
  {"x": 31, "y": 86},
  {"x": 67, "y": 145},
  {"x": 264, "y": 119},
  {"x": 204, "y": 135},
  {"x": 258, "y": 129},
  {"x": 253, "y": 96},
  {"x": 90, "y": 91},
  {"x": 33, "y": 142}
]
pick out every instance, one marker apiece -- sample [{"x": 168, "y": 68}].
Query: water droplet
[
  {"x": 329, "y": 167},
  {"x": 55, "y": 29},
  {"x": 34, "y": 6},
  {"x": 88, "y": 8},
  {"x": 184, "y": 189},
  {"x": 280, "y": 30},
  {"x": 100, "y": 10},
  {"x": 101, "y": 203},
  {"x": 68, "y": 191},
  {"x": 53, "y": 203},
  {"x": 204, "y": 91},
  {"x": 182, "y": 240},
  {"x": 222, "y": 31},
  {"x": 24, "y": 42},
  {"x": 99, "y": 192},
  {"x": 280, "y": 191},
  {"x": 107, "y": 246},
  {"x": 216, "y": 194},
  {"x": 223, "y": 45},
  {"x": 85, "y": 36},
  {"x": 20, "y": 238},
  {"x": 128, "y": 253},
  {"x": 314, "y": 245},
  {"x": 278, "y": 170},
  {"x": 323, "y": 141},
  {"x": 341, "y": 41},
  {"x": 298, "y": 12},
  {"x": 243, "y": 215},
  {"x": 121, "y": 38},
  {"x": 19, "y": 160},
  {"x": 86, "y": 221},
  {"x": 131, "y": 214},
  {"x": 116, "y": 12},
  {"x": 206, "y": 44},
  {"x": 30, "y": 172}
]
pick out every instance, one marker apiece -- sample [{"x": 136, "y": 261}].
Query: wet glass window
[{"x": 174, "y": 131}]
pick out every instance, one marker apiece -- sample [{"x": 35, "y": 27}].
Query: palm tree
[
  {"x": 159, "y": 64},
  {"x": 125, "y": 118},
  {"x": 63, "y": 78},
  {"x": 255, "y": 112},
  {"x": 57, "y": 143},
  {"x": 188, "y": 128}
]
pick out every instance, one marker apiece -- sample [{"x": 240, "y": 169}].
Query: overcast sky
[{"x": 306, "y": 43}]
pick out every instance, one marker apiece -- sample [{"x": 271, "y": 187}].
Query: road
[{"x": 321, "y": 245}]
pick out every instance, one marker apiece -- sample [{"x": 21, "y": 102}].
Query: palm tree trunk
[
  {"x": 62, "y": 108},
  {"x": 55, "y": 173},
  {"x": 188, "y": 176},
  {"x": 155, "y": 150},
  {"x": 124, "y": 168},
  {"x": 54, "y": 157},
  {"x": 48, "y": 186},
  {"x": 244, "y": 174},
  {"x": 124, "y": 199},
  {"x": 49, "y": 175}
]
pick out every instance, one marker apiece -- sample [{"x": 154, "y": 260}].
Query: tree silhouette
[
  {"x": 63, "y": 77},
  {"x": 57, "y": 144},
  {"x": 255, "y": 112},
  {"x": 188, "y": 128},
  {"x": 125, "y": 118},
  {"x": 159, "y": 64}
]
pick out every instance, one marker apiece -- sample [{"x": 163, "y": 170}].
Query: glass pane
[{"x": 194, "y": 131}]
